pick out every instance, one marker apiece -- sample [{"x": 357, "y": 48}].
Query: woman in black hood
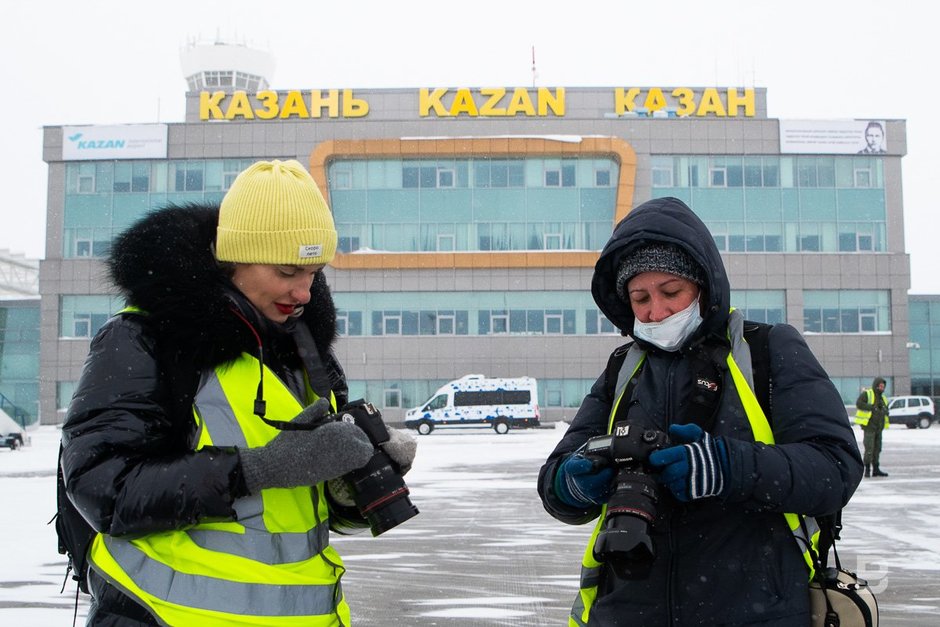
[{"x": 691, "y": 516}]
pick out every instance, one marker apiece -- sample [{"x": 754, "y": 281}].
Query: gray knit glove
[
  {"x": 401, "y": 447},
  {"x": 305, "y": 458}
]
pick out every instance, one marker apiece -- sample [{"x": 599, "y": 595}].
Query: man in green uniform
[{"x": 872, "y": 415}]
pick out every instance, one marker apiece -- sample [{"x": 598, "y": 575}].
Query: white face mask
[{"x": 669, "y": 333}]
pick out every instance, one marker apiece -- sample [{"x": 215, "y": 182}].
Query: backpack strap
[{"x": 757, "y": 335}]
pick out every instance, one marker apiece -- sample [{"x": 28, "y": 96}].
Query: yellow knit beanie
[{"x": 274, "y": 214}]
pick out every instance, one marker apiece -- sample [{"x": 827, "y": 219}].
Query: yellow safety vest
[
  {"x": 273, "y": 566},
  {"x": 863, "y": 415},
  {"x": 743, "y": 382}
]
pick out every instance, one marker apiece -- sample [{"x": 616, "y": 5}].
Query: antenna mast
[{"x": 534, "y": 75}]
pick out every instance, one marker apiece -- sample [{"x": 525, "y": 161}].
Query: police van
[{"x": 500, "y": 403}]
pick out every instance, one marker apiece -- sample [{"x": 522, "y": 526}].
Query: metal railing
[{"x": 18, "y": 415}]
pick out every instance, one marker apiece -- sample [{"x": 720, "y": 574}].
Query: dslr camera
[
  {"x": 624, "y": 539},
  {"x": 378, "y": 488}
]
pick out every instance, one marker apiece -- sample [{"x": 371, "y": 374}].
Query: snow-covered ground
[{"x": 505, "y": 562}]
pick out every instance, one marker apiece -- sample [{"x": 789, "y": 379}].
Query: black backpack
[{"x": 74, "y": 533}]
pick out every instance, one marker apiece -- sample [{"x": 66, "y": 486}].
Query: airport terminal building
[{"x": 470, "y": 220}]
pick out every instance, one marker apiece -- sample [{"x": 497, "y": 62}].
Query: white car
[{"x": 912, "y": 411}]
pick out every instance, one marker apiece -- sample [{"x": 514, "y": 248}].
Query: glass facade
[
  {"x": 434, "y": 205},
  {"x": 768, "y": 306},
  {"x": 846, "y": 311},
  {"x": 469, "y": 313},
  {"x": 102, "y": 198},
  {"x": 924, "y": 345},
  {"x": 750, "y": 204},
  {"x": 19, "y": 360},
  {"x": 80, "y": 317},
  {"x": 781, "y": 204}
]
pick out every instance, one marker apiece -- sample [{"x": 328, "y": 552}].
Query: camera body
[
  {"x": 624, "y": 540},
  {"x": 378, "y": 488}
]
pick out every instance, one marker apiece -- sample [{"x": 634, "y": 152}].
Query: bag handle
[{"x": 832, "y": 530}]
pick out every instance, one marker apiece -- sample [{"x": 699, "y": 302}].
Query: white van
[{"x": 501, "y": 403}]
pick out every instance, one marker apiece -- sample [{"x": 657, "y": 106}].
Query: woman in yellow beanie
[{"x": 185, "y": 444}]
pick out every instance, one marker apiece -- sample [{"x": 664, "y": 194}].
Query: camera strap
[
  {"x": 317, "y": 377},
  {"x": 707, "y": 365}
]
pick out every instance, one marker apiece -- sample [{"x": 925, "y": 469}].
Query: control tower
[{"x": 225, "y": 66}]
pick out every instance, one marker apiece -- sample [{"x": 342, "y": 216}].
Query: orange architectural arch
[{"x": 493, "y": 147}]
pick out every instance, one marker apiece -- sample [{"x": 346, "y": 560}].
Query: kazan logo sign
[{"x": 132, "y": 141}]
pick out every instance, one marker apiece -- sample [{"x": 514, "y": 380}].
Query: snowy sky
[{"x": 107, "y": 61}]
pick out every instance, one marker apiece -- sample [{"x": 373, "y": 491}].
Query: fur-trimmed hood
[{"x": 164, "y": 265}]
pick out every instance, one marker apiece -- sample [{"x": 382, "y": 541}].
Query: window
[
  {"x": 445, "y": 177},
  {"x": 230, "y": 170},
  {"x": 862, "y": 177},
  {"x": 552, "y": 178},
  {"x": 438, "y": 402},
  {"x": 492, "y": 397},
  {"x": 391, "y": 323},
  {"x": 81, "y": 316},
  {"x": 554, "y": 323},
  {"x": 846, "y": 311},
  {"x": 81, "y": 326},
  {"x": 567, "y": 174},
  {"x": 347, "y": 244},
  {"x": 188, "y": 178},
  {"x": 446, "y": 324},
  {"x": 342, "y": 323},
  {"x": 596, "y": 323},
  {"x": 662, "y": 177},
  {"x": 498, "y": 173},
  {"x": 86, "y": 183},
  {"x": 806, "y": 173},
  {"x": 499, "y": 322},
  {"x": 63, "y": 394},
  {"x": 752, "y": 176},
  {"x": 552, "y": 241},
  {"x": 717, "y": 177},
  {"x": 340, "y": 179},
  {"x": 602, "y": 178},
  {"x": 140, "y": 179},
  {"x": 392, "y": 398}
]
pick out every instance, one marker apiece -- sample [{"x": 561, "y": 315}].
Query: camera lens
[
  {"x": 625, "y": 541},
  {"x": 380, "y": 494}
]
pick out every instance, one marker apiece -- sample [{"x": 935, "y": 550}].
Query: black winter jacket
[
  {"x": 127, "y": 456},
  {"x": 728, "y": 560}
]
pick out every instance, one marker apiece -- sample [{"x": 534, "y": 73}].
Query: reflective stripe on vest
[
  {"x": 273, "y": 566},
  {"x": 742, "y": 374}
]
